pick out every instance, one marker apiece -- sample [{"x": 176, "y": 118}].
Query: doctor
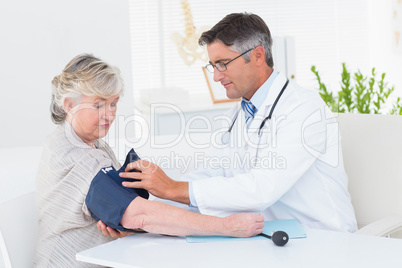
[{"x": 283, "y": 142}]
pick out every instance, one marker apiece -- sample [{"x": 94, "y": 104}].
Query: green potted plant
[{"x": 358, "y": 93}]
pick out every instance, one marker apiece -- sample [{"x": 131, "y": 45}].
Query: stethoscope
[{"x": 226, "y": 136}]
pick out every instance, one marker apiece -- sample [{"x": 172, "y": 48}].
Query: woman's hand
[
  {"x": 108, "y": 231},
  {"x": 244, "y": 224},
  {"x": 153, "y": 179}
]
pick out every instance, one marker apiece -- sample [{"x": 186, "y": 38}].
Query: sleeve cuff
[{"x": 193, "y": 202}]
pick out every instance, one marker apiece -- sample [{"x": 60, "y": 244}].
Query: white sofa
[{"x": 372, "y": 150}]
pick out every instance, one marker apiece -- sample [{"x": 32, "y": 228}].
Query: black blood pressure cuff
[{"x": 108, "y": 199}]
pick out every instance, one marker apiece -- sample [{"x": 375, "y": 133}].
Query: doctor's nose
[{"x": 218, "y": 75}]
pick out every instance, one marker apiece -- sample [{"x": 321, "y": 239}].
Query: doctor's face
[{"x": 239, "y": 78}]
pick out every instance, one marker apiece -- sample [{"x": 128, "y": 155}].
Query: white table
[{"x": 319, "y": 249}]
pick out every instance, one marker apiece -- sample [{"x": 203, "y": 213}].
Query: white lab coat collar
[{"x": 268, "y": 102}]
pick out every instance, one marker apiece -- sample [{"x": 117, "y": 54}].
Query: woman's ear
[{"x": 68, "y": 105}]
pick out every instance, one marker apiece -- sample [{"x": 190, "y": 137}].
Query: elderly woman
[{"x": 84, "y": 101}]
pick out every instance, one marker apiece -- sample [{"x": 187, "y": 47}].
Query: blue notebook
[{"x": 292, "y": 227}]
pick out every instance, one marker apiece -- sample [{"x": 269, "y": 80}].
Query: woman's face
[{"x": 92, "y": 117}]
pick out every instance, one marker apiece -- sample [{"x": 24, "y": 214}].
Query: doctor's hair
[
  {"x": 83, "y": 75},
  {"x": 240, "y": 32}
]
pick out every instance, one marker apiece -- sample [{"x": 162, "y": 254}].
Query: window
[{"x": 326, "y": 33}]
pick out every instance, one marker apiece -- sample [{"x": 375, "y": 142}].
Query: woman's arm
[{"x": 157, "y": 217}]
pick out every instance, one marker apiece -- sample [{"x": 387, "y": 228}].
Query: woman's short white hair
[{"x": 83, "y": 75}]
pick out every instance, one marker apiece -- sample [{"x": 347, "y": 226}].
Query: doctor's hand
[
  {"x": 108, "y": 231},
  {"x": 155, "y": 181},
  {"x": 244, "y": 224}
]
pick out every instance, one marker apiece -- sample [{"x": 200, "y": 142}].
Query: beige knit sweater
[{"x": 66, "y": 170}]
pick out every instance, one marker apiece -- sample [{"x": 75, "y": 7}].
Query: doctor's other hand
[
  {"x": 244, "y": 224},
  {"x": 155, "y": 181},
  {"x": 108, "y": 231}
]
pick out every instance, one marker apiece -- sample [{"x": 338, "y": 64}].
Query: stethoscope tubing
[
  {"x": 227, "y": 134},
  {"x": 273, "y": 107}
]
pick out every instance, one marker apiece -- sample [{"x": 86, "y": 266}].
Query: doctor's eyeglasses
[{"x": 220, "y": 66}]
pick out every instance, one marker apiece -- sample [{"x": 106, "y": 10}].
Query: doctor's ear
[{"x": 259, "y": 55}]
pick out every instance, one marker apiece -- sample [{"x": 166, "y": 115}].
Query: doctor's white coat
[{"x": 292, "y": 170}]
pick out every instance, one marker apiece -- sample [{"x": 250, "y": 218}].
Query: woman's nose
[{"x": 109, "y": 112}]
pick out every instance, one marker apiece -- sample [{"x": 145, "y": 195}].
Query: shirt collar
[{"x": 261, "y": 94}]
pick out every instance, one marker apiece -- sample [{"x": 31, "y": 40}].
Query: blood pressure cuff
[{"x": 108, "y": 199}]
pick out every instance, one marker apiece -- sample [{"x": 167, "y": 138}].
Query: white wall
[{"x": 38, "y": 38}]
